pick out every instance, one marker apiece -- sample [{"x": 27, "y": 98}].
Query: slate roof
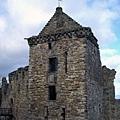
[{"x": 60, "y": 22}]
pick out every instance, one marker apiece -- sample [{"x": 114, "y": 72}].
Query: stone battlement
[
  {"x": 19, "y": 73},
  {"x": 14, "y": 79}
]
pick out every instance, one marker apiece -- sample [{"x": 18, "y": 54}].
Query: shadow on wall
[{"x": 0, "y": 96}]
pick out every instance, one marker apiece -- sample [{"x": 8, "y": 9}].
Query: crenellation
[
  {"x": 18, "y": 73},
  {"x": 4, "y": 81},
  {"x": 109, "y": 94},
  {"x": 5, "y": 86}
]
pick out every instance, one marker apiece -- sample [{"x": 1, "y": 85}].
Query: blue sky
[{"x": 23, "y": 18}]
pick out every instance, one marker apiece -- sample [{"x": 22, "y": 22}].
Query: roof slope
[
  {"x": 60, "y": 22},
  {"x": 61, "y": 26}
]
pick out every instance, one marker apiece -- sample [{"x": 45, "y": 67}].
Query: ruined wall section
[
  {"x": 94, "y": 81},
  {"x": 15, "y": 96},
  {"x": 5, "y": 93},
  {"x": 109, "y": 101},
  {"x": 117, "y": 109}
]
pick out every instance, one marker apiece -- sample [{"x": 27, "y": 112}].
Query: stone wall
[
  {"x": 117, "y": 109},
  {"x": 94, "y": 81},
  {"x": 108, "y": 94},
  {"x": 14, "y": 93},
  {"x": 70, "y": 85}
]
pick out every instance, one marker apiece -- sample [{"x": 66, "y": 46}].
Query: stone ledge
[{"x": 78, "y": 33}]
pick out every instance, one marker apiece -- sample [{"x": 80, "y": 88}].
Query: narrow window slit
[
  {"x": 63, "y": 114},
  {"x": 49, "y": 46},
  {"x": 66, "y": 62}
]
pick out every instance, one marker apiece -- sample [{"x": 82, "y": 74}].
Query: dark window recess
[
  {"x": 17, "y": 77},
  {"x": 52, "y": 93},
  {"x": 66, "y": 62},
  {"x": 11, "y": 102},
  {"x": 63, "y": 114},
  {"x": 49, "y": 46},
  {"x": 23, "y": 75},
  {"x": 53, "y": 64}
]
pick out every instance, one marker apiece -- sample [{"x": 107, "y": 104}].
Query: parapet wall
[
  {"x": 14, "y": 92},
  {"x": 117, "y": 110},
  {"x": 111, "y": 106},
  {"x": 18, "y": 74}
]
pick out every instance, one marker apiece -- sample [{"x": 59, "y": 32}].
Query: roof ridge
[{"x": 60, "y": 21}]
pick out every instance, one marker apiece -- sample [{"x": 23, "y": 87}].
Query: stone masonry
[
  {"x": 14, "y": 94},
  {"x": 64, "y": 79}
]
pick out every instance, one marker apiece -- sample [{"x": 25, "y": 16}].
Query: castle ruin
[{"x": 64, "y": 79}]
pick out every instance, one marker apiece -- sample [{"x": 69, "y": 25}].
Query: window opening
[
  {"x": 53, "y": 64},
  {"x": 63, "y": 113},
  {"x": 66, "y": 62},
  {"x": 49, "y": 46},
  {"x": 52, "y": 93},
  {"x": 11, "y": 102}
]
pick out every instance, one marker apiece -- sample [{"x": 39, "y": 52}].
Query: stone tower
[{"x": 65, "y": 74}]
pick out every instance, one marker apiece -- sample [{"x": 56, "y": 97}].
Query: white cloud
[
  {"x": 99, "y": 15},
  {"x": 19, "y": 19},
  {"x": 111, "y": 61},
  {"x": 2, "y": 24},
  {"x": 29, "y": 12},
  {"x": 111, "y": 58},
  {"x": 117, "y": 88},
  {"x": 108, "y": 52}
]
